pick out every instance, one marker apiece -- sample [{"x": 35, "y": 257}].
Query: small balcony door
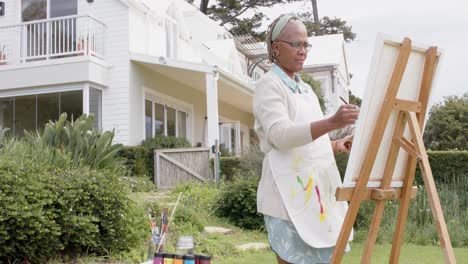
[{"x": 49, "y": 38}]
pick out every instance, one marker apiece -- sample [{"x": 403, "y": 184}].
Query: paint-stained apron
[{"x": 307, "y": 178}]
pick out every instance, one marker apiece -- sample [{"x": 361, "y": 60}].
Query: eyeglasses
[{"x": 298, "y": 45}]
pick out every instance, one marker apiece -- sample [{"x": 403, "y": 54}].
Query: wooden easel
[{"x": 411, "y": 113}]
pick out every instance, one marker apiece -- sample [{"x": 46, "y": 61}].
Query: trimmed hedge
[
  {"x": 446, "y": 164},
  {"x": 47, "y": 211},
  {"x": 139, "y": 159}
]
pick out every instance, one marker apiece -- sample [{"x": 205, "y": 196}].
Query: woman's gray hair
[{"x": 272, "y": 28}]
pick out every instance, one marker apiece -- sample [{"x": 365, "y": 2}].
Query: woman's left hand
[{"x": 344, "y": 144}]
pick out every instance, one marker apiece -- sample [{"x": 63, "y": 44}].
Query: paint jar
[
  {"x": 205, "y": 259},
  {"x": 189, "y": 259},
  {"x": 185, "y": 245},
  {"x": 168, "y": 258},
  {"x": 158, "y": 258},
  {"x": 178, "y": 259}
]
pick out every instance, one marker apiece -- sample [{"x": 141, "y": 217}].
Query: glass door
[
  {"x": 34, "y": 34},
  {"x": 63, "y": 31},
  {"x": 48, "y": 38}
]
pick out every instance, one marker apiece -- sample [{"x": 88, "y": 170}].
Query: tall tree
[
  {"x": 447, "y": 126},
  {"x": 231, "y": 14},
  {"x": 327, "y": 26}
]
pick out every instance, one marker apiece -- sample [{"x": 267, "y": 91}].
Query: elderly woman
[{"x": 299, "y": 177}]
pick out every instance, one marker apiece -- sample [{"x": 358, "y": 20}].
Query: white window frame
[
  {"x": 168, "y": 101},
  {"x": 238, "y": 128}
]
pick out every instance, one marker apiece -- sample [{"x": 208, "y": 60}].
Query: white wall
[
  {"x": 115, "y": 105},
  {"x": 11, "y": 36},
  {"x": 147, "y": 34}
]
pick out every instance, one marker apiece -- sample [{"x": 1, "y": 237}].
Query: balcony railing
[{"x": 52, "y": 39}]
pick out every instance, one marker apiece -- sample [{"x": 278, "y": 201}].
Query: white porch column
[
  {"x": 212, "y": 108},
  {"x": 86, "y": 99}
]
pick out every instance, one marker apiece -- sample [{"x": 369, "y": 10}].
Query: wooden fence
[{"x": 172, "y": 166}]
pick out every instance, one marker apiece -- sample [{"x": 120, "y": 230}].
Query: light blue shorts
[{"x": 286, "y": 243}]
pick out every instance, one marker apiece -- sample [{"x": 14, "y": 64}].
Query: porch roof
[{"x": 231, "y": 89}]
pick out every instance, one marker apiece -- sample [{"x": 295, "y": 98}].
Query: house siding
[
  {"x": 10, "y": 36},
  {"x": 115, "y": 98}
]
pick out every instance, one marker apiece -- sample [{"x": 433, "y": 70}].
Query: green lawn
[{"x": 411, "y": 254}]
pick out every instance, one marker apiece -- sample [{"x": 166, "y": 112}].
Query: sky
[{"x": 440, "y": 23}]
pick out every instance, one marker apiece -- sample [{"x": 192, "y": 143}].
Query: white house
[
  {"x": 326, "y": 63},
  {"x": 142, "y": 67}
]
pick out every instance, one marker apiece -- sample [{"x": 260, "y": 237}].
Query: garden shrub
[
  {"x": 58, "y": 199},
  {"x": 250, "y": 162},
  {"x": 85, "y": 144},
  {"x": 229, "y": 166},
  {"x": 137, "y": 160},
  {"x": 238, "y": 202},
  {"x": 165, "y": 142},
  {"x": 140, "y": 158},
  {"x": 445, "y": 165},
  {"x": 46, "y": 210},
  {"x": 197, "y": 195}
]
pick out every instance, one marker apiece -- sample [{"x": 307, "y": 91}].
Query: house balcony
[
  {"x": 53, "y": 51},
  {"x": 51, "y": 39}
]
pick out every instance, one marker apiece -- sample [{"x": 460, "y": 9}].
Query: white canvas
[{"x": 381, "y": 69}]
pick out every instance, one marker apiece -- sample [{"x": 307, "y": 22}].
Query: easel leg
[
  {"x": 345, "y": 232},
  {"x": 385, "y": 184},
  {"x": 403, "y": 211},
  {"x": 373, "y": 231},
  {"x": 432, "y": 195}
]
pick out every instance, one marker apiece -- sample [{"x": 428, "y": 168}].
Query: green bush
[
  {"x": 250, "y": 162},
  {"x": 229, "y": 167},
  {"x": 445, "y": 165},
  {"x": 196, "y": 195},
  {"x": 46, "y": 210},
  {"x": 163, "y": 142},
  {"x": 140, "y": 159},
  {"x": 86, "y": 145},
  {"x": 61, "y": 194},
  {"x": 238, "y": 203}
]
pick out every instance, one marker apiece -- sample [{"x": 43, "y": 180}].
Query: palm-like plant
[{"x": 86, "y": 145}]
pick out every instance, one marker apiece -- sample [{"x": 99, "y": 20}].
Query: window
[
  {"x": 230, "y": 137},
  {"x": 32, "y": 112},
  {"x": 171, "y": 118},
  {"x": 161, "y": 119},
  {"x": 148, "y": 119},
  {"x": 42, "y": 9}
]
